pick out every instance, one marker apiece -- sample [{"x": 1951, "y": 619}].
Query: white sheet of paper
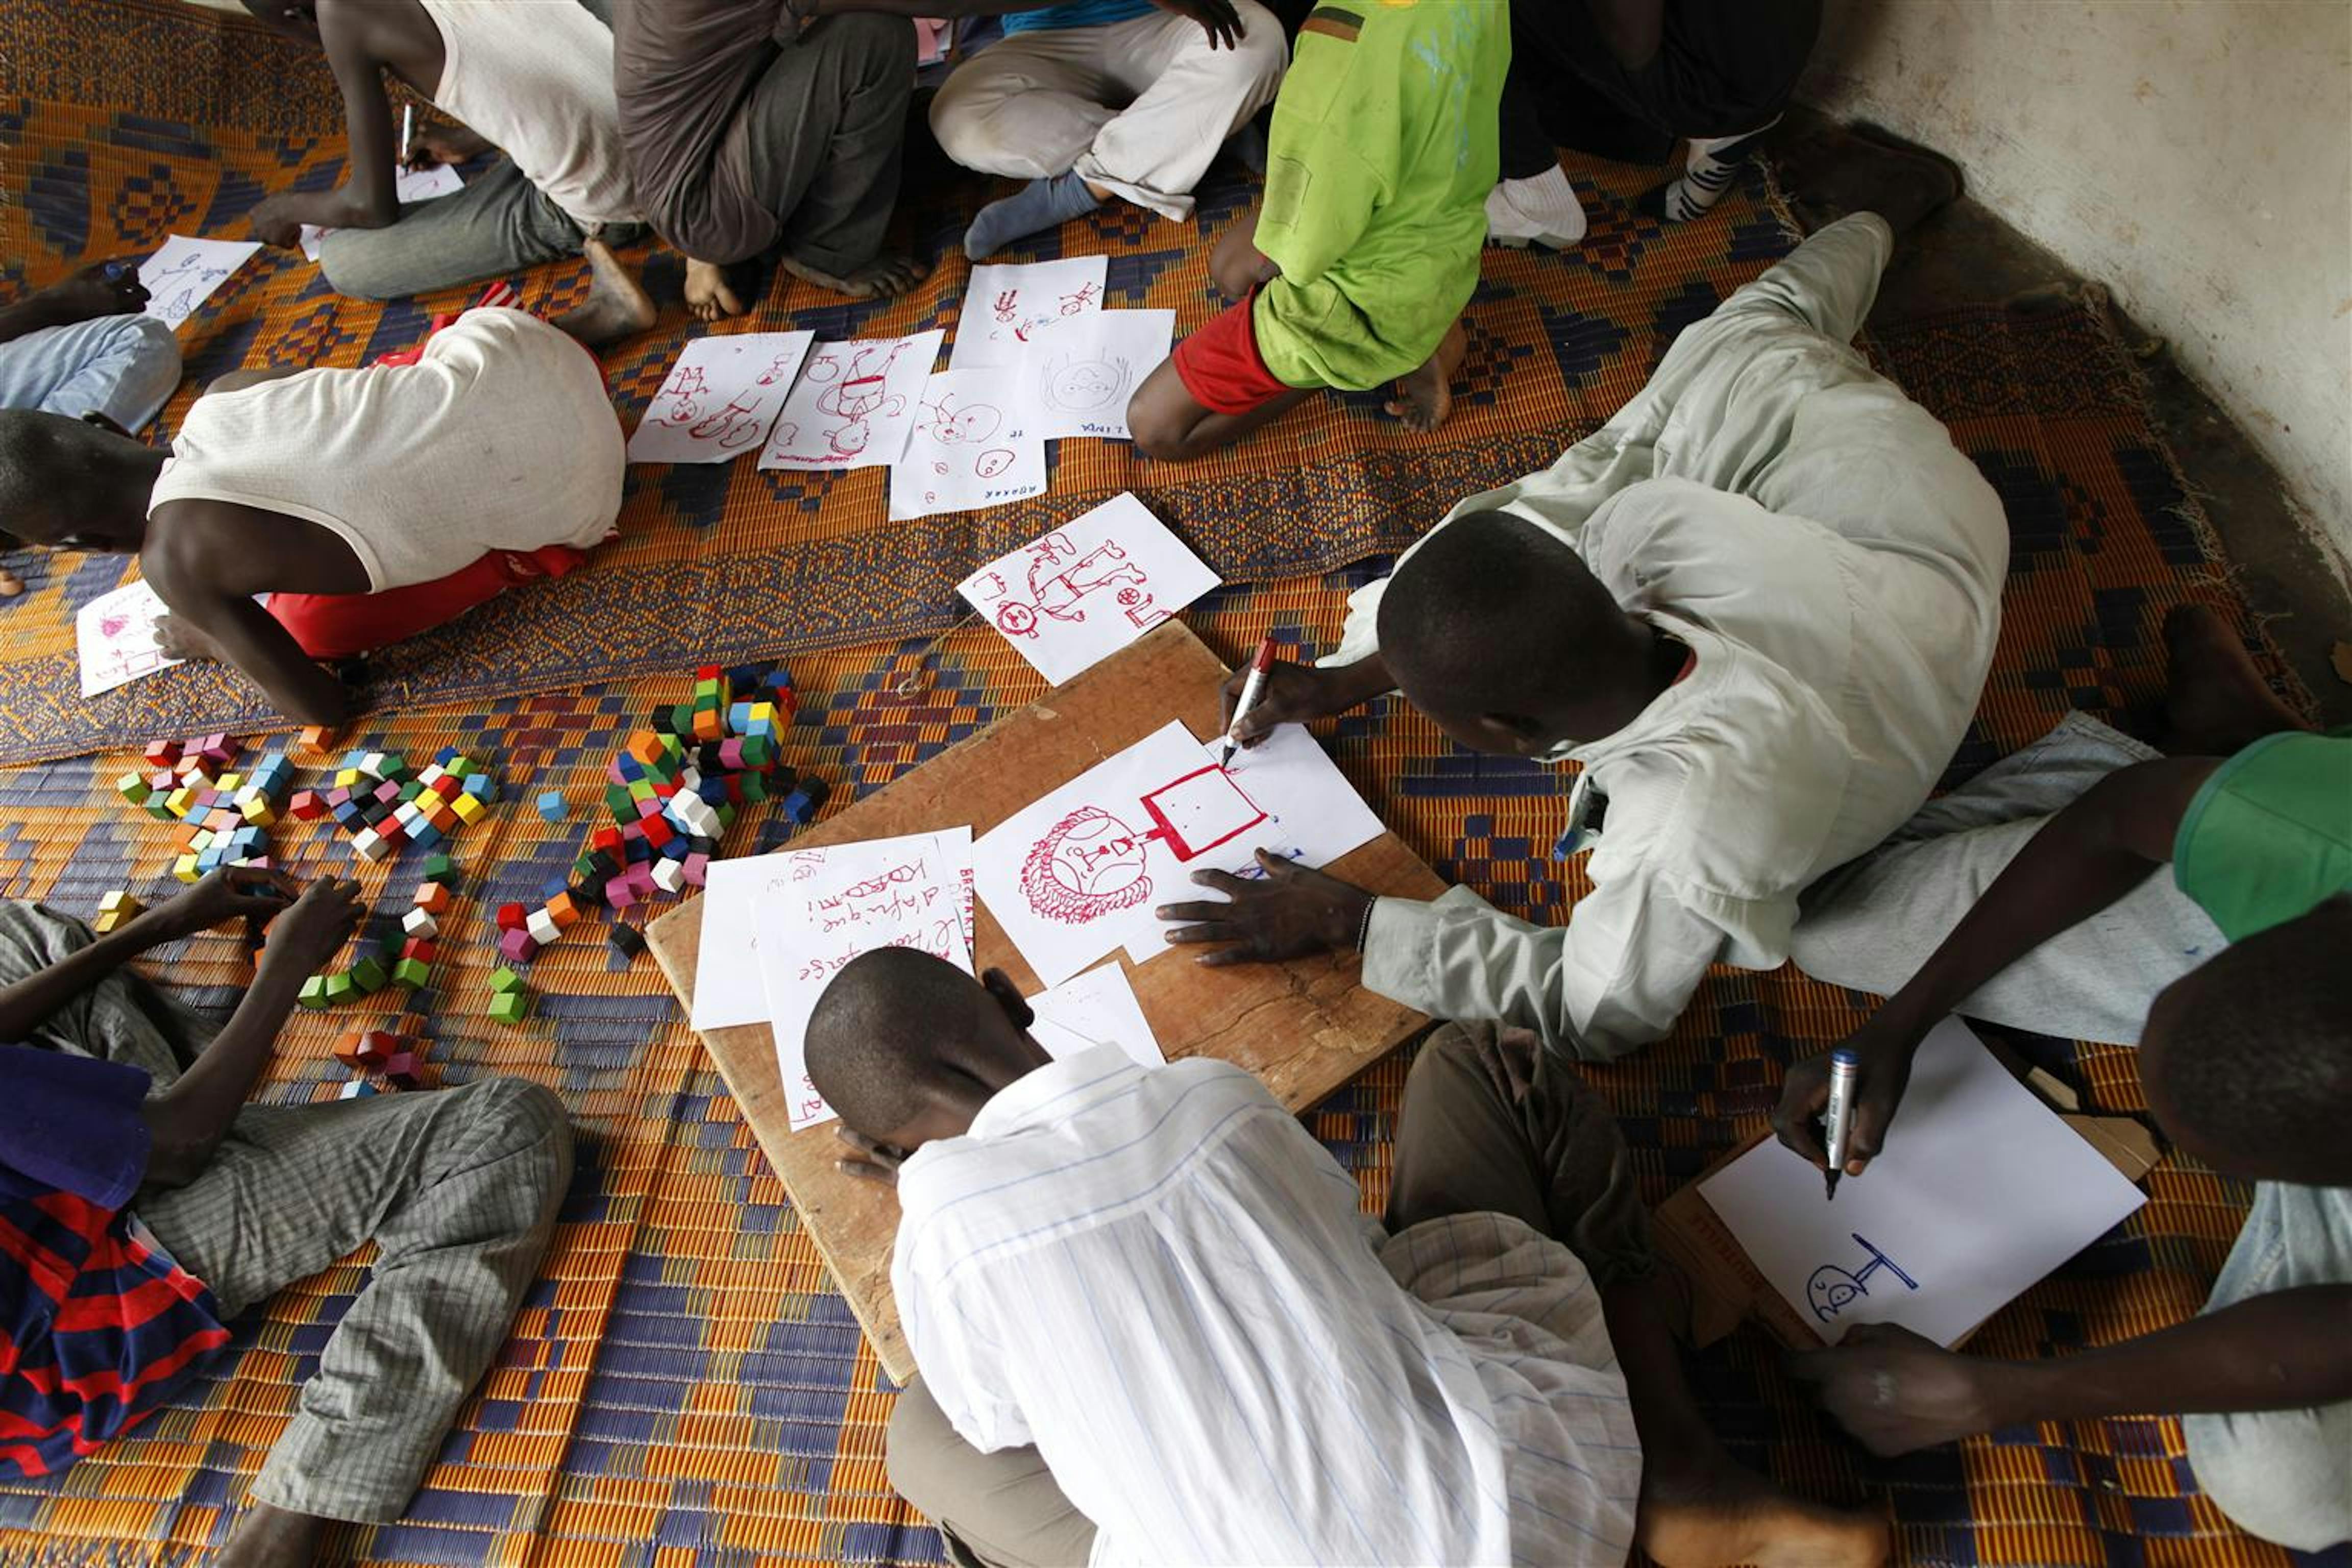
[
  {"x": 727, "y": 986},
  {"x": 408, "y": 185},
  {"x": 719, "y": 398},
  {"x": 114, "y": 635},
  {"x": 1074, "y": 597},
  {"x": 1077, "y": 373},
  {"x": 1096, "y": 1008},
  {"x": 827, "y": 906},
  {"x": 183, "y": 272},
  {"x": 854, "y": 404},
  {"x": 1981, "y": 1189},
  {"x": 1003, "y": 303},
  {"x": 962, "y": 453},
  {"x": 1077, "y": 873}
]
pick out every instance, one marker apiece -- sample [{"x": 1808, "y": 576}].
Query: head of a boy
[
  {"x": 74, "y": 484},
  {"x": 297, "y": 19},
  {"x": 2247, "y": 1059},
  {"x": 908, "y": 1047},
  {"x": 1497, "y": 629}
]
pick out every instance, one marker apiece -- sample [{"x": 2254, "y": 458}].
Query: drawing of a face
[
  {"x": 1831, "y": 1290},
  {"x": 973, "y": 423},
  {"x": 1085, "y": 384},
  {"x": 1086, "y": 866},
  {"x": 1017, "y": 620},
  {"x": 990, "y": 464},
  {"x": 851, "y": 439}
]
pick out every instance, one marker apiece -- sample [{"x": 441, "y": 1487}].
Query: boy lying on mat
[
  {"x": 370, "y": 505},
  {"x": 1365, "y": 248},
  {"x": 1154, "y": 1325},
  {"x": 143, "y": 1203}
]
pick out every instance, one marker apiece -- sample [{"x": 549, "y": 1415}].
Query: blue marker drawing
[{"x": 1831, "y": 1290}]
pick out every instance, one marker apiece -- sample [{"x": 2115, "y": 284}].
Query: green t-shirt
[
  {"x": 2269, "y": 836},
  {"x": 1382, "y": 151}
]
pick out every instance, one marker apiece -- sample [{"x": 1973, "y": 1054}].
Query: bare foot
[
  {"x": 706, "y": 292},
  {"x": 2216, "y": 702},
  {"x": 10, "y": 583},
  {"x": 175, "y": 638},
  {"x": 617, "y": 305},
  {"x": 270, "y": 1537},
  {"x": 1699, "y": 1510},
  {"x": 882, "y": 278},
  {"x": 1425, "y": 397}
]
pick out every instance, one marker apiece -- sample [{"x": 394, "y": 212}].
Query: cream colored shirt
[
  {"x": 535, "y": 78},
  {"x": 500, "y": 437},
  {"x": 1836, "y": 565}
]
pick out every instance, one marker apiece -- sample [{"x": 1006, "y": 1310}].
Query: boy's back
[{"x": 1382, "y": 151}]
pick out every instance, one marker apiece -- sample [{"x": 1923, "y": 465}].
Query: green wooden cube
[
  {"x": 505, "y": 979},
  {"x": 439, "y": 868},
  {"x": 341, "y": 988},
  {"x": 412, "y": 973},
  {"x": 370, "y": 976},
  {"x": 313, "y": 993},
  {"x": 510, "y": 1006}
]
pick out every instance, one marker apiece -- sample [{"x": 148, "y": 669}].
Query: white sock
[
  {"x": 1715, "y": 162},
  {"x": 1541, "y": 207}
]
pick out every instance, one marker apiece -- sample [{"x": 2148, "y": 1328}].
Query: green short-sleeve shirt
[
  {"x": 1378, "y": 166},
  {"x": 2269, "y": 836}
]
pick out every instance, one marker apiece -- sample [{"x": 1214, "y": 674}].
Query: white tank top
[
  {"x": 535, "y": 77},
  {"x": 500, "y": 437}
]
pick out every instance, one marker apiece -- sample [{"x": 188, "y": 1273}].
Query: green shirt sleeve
[
  {"x": 2269, "y": 836},
  {"x": 1319, "y": 202}
]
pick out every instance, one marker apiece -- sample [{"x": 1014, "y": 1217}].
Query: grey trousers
[
  {"x": 822, "y": 135},
  {"x": 1492, "y": 1124},
  {"x": 458, "y": 1189},
  {"x": 2284, "y": 1475},
  {"x": 1870, "y": 924},
  {"x": 499, "y": 222}
]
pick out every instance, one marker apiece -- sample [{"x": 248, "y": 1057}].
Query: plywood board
[{"x": 1303, "y": 1027}]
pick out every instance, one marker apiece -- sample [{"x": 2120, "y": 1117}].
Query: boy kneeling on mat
[
  {"x": 1355, "y": 269},
  {"x": 144, "y": 1205},
  {"x": 370, "y": 505},
  {"x": 1154, "y": 1325}
]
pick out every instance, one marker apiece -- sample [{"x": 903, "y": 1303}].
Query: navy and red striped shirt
[{"x": 97, "y": 1325}]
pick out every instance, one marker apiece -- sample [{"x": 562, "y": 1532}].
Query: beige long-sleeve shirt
[{"x": 1835, "y": 565}]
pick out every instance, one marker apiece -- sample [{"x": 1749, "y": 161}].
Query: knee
[
  {"x": 1161, "y": 421},
  {"x": 344, "y": 259},
  {"x": 916, "y": 1450},
  {"x": 964, "y": 121},
  {"x": 1263, "y": 52},
  {"x": 2270, "y": 1473},
  {"x": 149, "y": 341},
  {"x": 525, "y": 1118}
]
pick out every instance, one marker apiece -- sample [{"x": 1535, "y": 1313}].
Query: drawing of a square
[{"x": 1200, "y": 811}]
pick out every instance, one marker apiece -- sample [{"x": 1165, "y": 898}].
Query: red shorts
[
  {"x": 1220, "y": 367},
  {"x": 345, "y": 625}
]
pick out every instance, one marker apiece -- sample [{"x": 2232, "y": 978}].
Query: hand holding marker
[
  {"x": 1251, "y": 690},
  {"x": 1845, "y": 1074}
]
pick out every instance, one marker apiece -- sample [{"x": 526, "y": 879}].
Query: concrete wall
[{"x": 2194, "y": 155}]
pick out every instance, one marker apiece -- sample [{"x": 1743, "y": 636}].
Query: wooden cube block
[
  {"x": 433, "y": 898},
  {"x": 510, "y": 1006},
  {"x": 411, "y": 972},
  {"x": 518, "y": 946},
  {"x": 313, "y": 993},
  {"x": 420, "y": 923}
]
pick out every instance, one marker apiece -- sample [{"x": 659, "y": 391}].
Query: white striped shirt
[{"x": 1161, "y": 1281}]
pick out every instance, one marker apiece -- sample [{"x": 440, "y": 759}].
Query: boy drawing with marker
[
  {"x": 2227, "y": 972},
  {"x": 1354, "y": 271}
]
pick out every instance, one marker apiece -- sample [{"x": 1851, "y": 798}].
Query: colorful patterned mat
[
  {"x": 727, "y": 562},
  {"x": 684, "y": 1387}
]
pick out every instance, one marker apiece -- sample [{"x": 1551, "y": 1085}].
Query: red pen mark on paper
[
  {"x": 1196, "y": 813},
  {"x": 1088, "y": 865},
  {"x": 1062, "y": 594}
]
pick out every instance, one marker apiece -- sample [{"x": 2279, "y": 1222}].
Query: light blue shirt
[{"x": 1076, "y": 14}]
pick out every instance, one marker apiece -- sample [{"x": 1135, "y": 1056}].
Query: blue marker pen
[{"x": 1845, "y": 1072}]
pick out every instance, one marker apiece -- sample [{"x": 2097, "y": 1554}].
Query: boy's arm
[
  {"x": 2085, "y": 857},
  {"x": 241, "y": 632},
  {"x": 1319, "y": 200},
  {"x": 84, "y": 296},
  {"x": 1898, "y": 1392},
  {"x": 368, "y": 197}
]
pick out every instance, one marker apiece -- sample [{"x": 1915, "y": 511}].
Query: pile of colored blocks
[
  {"x": 397, "y": 1056},
  {"x": 406, "y": 962},
  {"x": 672, "y": 792},
  {"x": 373, "y": 798},
  {"x": 227, "y": 814}
]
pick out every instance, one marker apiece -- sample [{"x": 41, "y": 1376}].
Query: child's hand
[
  {"x": 1217, "y": 18},
  {"x": 308, "y": 936},
  {"x": 272, "y": 224},
  {"x": 95, "y": 291},
  {"x": 225, "y": 895},
  {"x": 435, "y": 145}
]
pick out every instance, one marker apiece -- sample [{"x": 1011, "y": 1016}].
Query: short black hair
[
  {"x": 1486, "y": 614},
  {"x": 887, "y": 1028},
  {"x": 2251, "y": 1053},
  {"x": 42, "y": 457}
]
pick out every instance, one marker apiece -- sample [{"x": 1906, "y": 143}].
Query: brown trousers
[{"x": 1492, "y": 1124}]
